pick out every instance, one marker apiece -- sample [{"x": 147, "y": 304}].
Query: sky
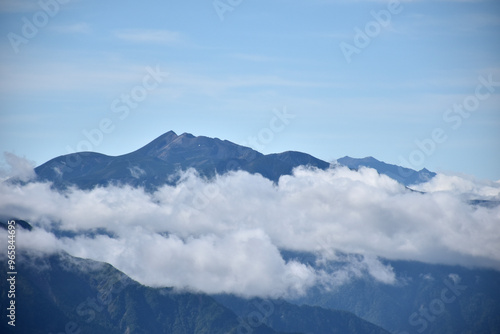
[{"x": 413, "y": 83}]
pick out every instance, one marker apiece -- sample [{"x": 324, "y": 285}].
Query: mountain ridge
[
  {"x": 403, "y": 175},
  {"x": 155, "y": 163},
  {"x": 158, "y": 162}
]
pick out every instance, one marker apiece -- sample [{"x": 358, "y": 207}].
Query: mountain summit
[{"x": 192, "y": 150}]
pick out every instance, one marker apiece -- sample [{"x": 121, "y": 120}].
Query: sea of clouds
[{"x": 227, "y": 235}]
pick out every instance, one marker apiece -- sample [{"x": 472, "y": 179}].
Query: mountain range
[{"x": 158, "y": 162}]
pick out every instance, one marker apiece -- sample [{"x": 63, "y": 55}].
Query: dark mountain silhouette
[{"x": 158, "y": 162}]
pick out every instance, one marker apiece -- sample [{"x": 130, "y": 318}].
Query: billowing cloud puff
[
  {"x": 229, "y": 234},
  {"x": 18, "y": 168},
  {"x": 464, "y": 185},
  {"x": 243, "y": 262}
]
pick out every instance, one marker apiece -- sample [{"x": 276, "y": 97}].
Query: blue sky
[{"x": 413, "y": 92}]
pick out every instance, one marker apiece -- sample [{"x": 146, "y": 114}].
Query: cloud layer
[{"x": 227, "y": 235}]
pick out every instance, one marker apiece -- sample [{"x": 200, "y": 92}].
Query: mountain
[
  {"x": 19, "y": 223},
  {"x": 158, "y": 162},
  {"x": 428, "y": 298},
  {"x": 403, "y": 175},
  {"x": 60, "y": 293},
  {"x": 284, "y": 316}
]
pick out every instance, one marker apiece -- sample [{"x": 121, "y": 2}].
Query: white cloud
[
  {"x": 243, "y": 262},
  {"x": 333, "y": 274},
  {"x": 136, "y": 172},
  {"x": 427, "y": 277},
  {"x": 226, "y": 235},
  {"x": 18, "y": 168},
  {"x": 75, "y": 28},
  {"x": 463, "y": 185},
  {"x": 18, "y": 78},
  {"x": 150, "y": 36},
  {"x": 254, "y": 57}
]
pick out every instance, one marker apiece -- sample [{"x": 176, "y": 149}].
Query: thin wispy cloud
[
  {"x": 430, "y": 23},
  {"x": 254, "y": 57},
  {"x": 67, "y": 76},
  {"x": 75, "y": 28},
  {"x": 150, "y": 36}
]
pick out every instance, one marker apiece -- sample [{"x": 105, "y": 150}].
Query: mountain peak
[
  {"x": 168, "y": 136},
  {"x": 155, "y": 147}
]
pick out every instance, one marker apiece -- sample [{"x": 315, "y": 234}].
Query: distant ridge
[{"x": 403, "y": 175}]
